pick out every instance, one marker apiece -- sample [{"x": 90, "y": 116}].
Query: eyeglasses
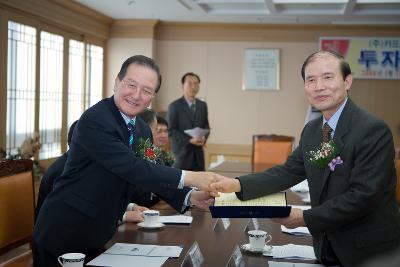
[{"x": 144, "y": 91}]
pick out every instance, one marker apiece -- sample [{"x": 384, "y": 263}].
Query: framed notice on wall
[{"x": 261, "y": 69}]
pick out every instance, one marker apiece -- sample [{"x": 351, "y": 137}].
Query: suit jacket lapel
[
  {"x": 121, "y": 123},
  {"x": 341, "y": 130}
]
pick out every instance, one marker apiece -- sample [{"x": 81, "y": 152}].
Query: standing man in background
[{"x": 186, "y": 113}]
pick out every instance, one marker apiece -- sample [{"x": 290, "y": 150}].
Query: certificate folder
[{"x": 271, "y": 206}]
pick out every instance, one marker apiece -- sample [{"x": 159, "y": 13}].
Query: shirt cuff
[
  {"x": 124, "y": 217},
  {"x": 182, "y": 181},
  {"x": 130, "y": 207},
  {"x": 186, "y": 202}
]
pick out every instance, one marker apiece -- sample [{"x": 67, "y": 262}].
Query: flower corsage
[
  {"x": 146, "y": 150},
  {"x": 326, "y": 155}
]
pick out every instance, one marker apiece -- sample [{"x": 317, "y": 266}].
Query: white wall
[
  {"x": 235, "y": 115},
  {"x": 119, "y": 49}
]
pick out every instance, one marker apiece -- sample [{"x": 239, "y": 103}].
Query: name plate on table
[{"x": 271, "y": 206}]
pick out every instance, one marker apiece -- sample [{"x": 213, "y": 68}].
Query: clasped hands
[
  {"x": 212, "y": 183},
  {"x": 198, "y": 141}
]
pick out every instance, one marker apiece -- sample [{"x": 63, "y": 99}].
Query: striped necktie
[
  {"x": 326, "y": 133},
  {"x": 131, "y": 127}
]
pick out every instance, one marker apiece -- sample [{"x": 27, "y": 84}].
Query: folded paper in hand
[
  {"x": 271, "y": 206},
  {"x": 197, "y": 132}
]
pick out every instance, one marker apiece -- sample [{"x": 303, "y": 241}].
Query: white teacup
[
  {"x": 72, "y": 259},
  {"x": 150, "y": 217},
  {"x": 258, "y": 239}
]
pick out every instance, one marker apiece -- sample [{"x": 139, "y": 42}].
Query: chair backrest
[
  {"x": 398, "y": 181},
  {"x": 270, "y": 150},
  {"x": 17, "y": 203}
]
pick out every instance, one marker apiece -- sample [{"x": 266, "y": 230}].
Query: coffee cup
[
  {"x": 258, "y": 239},
  {"x": 150, "y": 217},
  {"x": 72, "y": 259}
]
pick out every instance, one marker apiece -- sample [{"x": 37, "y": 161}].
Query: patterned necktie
[
  {"x": 131, "y": 126},
  {"x": 193, "y": 109},
  {"x": 326, "y": 133}
]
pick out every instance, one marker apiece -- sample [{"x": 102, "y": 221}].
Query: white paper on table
[
  {"x": 197, "y": 132},
  {"x": 302, "y": 231},
  {"x": 175, "y": 219},
  {"x": 307, "y": 198},
  {"x": 292, "y": 251},
  {"x": 302, "y": 207},
  {"x": 127, "y": 261},
  {"x": 144, "y": 250},
  {"x": 301, "y": 187},
  {"x": 292, "y": 264}
]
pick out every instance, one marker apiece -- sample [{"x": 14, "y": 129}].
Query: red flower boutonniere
[
  {"x": 326, "y": 155},
  {"x": 147, "y": 150}
]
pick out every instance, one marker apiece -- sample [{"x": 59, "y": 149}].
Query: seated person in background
[
  {"x": 161, "y": 140},
  {"x": 133, "y": 214},
  {"x": 52, "y": 172},
  {"x": 141, "y": 195}
]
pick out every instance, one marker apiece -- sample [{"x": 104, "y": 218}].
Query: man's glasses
[{"x": 144, "y": 91}]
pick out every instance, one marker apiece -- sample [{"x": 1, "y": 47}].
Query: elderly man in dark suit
[
  {"x": 354, "y": 215},
  {"x": 186, "y": 113},
  {"x": 91, "y": 195}
]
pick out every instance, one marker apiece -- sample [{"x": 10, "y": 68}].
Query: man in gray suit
[
  {"x": 354, "y": 215},
  {"x": 186, "y": 113}
]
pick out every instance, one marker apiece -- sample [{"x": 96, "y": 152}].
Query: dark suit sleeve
[
  {"x": 180, "y": 138},
  {"x": 103, "y": 144},
  {"x": 370, "y": 174},
  {"x": 174, "y": 197}
]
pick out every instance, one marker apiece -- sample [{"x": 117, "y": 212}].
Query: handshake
[{"x": 209, "y": 185}]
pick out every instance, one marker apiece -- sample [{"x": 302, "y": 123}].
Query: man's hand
[
  {"x": 226, "y": 185},
  {"x": 134, "y": 216},
  {"x": 294, "y": 220},
  {"x": 197, "y": 141},
  {"x": 201, "y": 199},
  {"x": 202, "y": 180},
  {"x": 139, "y": 208}
]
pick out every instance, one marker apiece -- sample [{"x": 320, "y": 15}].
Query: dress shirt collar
[
  {"x": 126, "y": 118},
  {"x": 333, "y": 121},
  {"x": 190, "y": 103}
]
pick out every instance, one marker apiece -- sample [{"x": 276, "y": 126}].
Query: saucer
[
  {"x": 151, "y": 226},
  {"x": 246, "y": 247}
]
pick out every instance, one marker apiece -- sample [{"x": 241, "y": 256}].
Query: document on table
[
  {"x": 178, "y": 219},
  {"x": 127, "y": 255},
  {"x": 144, "y": 250},
  {"x": 292, "y": 264},
  {"x": 230, "y": 199},
  {"x": 300, "y": 231},
  {"x": 197, "y": 132},
  {"x": 127, "y": 261},
  {"x": 291, "y": 251}
]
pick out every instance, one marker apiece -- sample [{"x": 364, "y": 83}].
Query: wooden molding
[
  {"x": 264, "y": 32},
  {"x": 129, "y": 28},
  {"x": 63, "y": 14}
]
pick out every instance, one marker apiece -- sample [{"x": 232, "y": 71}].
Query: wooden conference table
[{"x": 216, "y": 242}]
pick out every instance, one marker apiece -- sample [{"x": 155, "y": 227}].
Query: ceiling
[{"x": 347, "y": 12}]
